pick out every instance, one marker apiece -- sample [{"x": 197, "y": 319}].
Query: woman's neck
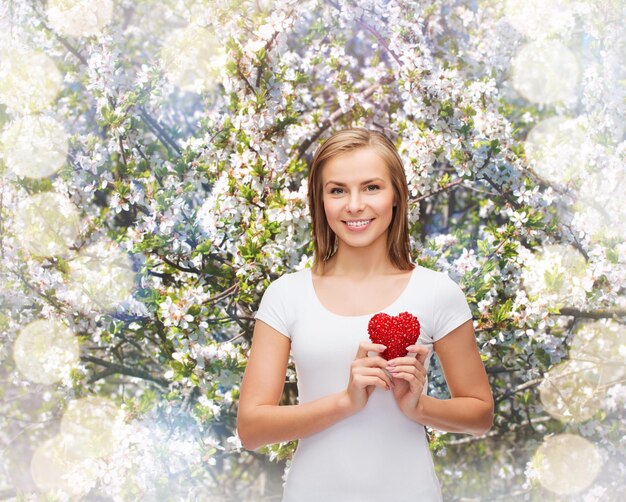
[{"x": 358, "y": 267}]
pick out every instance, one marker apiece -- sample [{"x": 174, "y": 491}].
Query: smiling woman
[
  {"x": 351, "y": 162},
  {"x": 361, "y": 419},
  {"x": 358, "y": 206}
]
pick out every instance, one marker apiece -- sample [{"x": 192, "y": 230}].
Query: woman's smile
[{"x": 358, "y": 225}]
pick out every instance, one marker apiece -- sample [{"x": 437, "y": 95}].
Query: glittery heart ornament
[{"x": 395, "y": 332}]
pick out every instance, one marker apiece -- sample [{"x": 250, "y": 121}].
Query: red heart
[{"x": 395, "y": 332}]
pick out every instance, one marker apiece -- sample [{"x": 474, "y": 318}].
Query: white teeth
[{"x": 360, "y": 224}]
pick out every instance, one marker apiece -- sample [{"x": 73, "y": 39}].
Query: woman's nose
[{"x": 355, "y": 202}]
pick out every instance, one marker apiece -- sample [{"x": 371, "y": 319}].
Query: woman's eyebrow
[{"x": 343, "y": 184}]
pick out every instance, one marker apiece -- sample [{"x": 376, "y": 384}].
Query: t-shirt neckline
[{"x": 392, "y": 304}]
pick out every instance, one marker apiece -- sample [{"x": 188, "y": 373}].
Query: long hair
[{"x": 324, "y": 239}]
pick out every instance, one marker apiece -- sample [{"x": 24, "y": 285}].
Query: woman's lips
[{"x": 359, "y": 228}]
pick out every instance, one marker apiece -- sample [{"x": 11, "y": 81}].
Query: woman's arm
[
  {"x": 471, "y": 408},
  {"x": 260, "y": 418}
]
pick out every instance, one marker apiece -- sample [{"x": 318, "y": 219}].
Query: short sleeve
[
  {"x": 273, "y": 307},
  {"x": 450, "y": 309}
]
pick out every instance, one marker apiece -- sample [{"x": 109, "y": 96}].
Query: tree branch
[
  {"x": 442, "y": 189},
  {"x": 519, "y": 388},
  {"x": 517, "y": 205},
  {"x": 64, "y": 42},
  {"x": 593, "y": 314},
  {"x": 227, "y": 292},
  {"x": 501, "y": 369},
  {"x": 337, "y": 115},
  {"x": 191, "y": 270},
  {"x": 124, "y": 370},
  {"x": 472, "y": 439},
  {"x": 243, "y": 77},
  {"x": 159, "y": 132},
  {"x": 379, "y": 38}
]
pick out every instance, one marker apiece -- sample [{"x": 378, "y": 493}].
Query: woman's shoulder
[
  {"x": 289, "y": 280},
  {"x": 437, "y": 280},
  {"x": 430, "y": 273}
]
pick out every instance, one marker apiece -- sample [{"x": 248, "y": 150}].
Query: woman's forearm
[
  {"x": 467, "y": 415},
  {"x": 269, "y": 424}
]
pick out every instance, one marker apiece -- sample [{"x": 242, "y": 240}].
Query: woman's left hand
[{"x": 409, "y": 376}]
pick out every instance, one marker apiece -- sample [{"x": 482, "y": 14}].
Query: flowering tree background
[{"x": 154, "y": 160}]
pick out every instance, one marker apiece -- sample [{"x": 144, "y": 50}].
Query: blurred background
[{"x": 153, "y": 162}]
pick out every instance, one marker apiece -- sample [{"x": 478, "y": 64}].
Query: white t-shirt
[{"x": 378, "y": 453}]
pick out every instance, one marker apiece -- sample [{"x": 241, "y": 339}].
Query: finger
[
  {"x": 373, "y": 380},
  {"x": 403, "y": 376},
  {"x": 389, "y": 377},
  {"x": 376, "y": 361},
  {"x": 421, "y": 353},
  {"x": 376, "y": 373},
  {"x": 418, "y": 349},
  {"x": 414, "y": 352},
  {"x": 403, "y": 369},
  {"x": 405, "y": 361},
  {"x": 365, "y": 347},
  {"x": 410, "y": 372},
  {"x": 414, "y": 384},
  {"x": 416, "y": 370},
  {"x": 384, "y": 375},
  {"x": 401, "y": 360},
  {"x": 371, "y": 362}
]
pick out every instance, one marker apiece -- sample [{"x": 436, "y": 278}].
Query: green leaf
[
  {"x": 446, "y": 109},
  {"x": 502, "y": 313}
]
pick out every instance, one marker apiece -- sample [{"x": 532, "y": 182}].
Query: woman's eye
[{"x": 332, "y": 190}]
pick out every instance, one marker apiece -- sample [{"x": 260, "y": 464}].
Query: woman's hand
[
  {"x": 409, "y": 376},
  {"x": 366, "y": 373}
]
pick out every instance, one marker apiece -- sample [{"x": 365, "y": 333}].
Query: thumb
[{"x": 420, "y": 351}]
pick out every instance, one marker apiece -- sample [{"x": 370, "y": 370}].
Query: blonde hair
[{"x": 324, "y": 239}]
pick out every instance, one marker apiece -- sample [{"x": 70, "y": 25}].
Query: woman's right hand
[{"x": 366, "y": 373}]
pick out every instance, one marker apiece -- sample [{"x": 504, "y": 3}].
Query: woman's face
[{"x": 357, "y": 186}]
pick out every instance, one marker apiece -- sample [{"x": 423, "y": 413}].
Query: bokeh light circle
[
  {"x": 35, "y": 146},
  {"x": 604, "y": 344},
  {"x": 101, "y": 276},
  {"x": 566, "y": 463},
  {"x": 193, "y": 59},
  {"x": 44, "y": 349},
  {"x": 540, "y": 18},
  {"x": 47, "y": 224},
  {"x": 546, "y": 72},
  {"x": 52, "y": 468},
  {"x": 556, "y": 270},
  {"x": 48, "y": 464},
  {"x": 29, "y": 80},
  {"x": 89, "y": 427},
  {"x": 79, "y": 18},
  {"x": 600, "y": 208},
  {"x": 560, "y": 149},
  {"x": 571, "y": 392}
]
